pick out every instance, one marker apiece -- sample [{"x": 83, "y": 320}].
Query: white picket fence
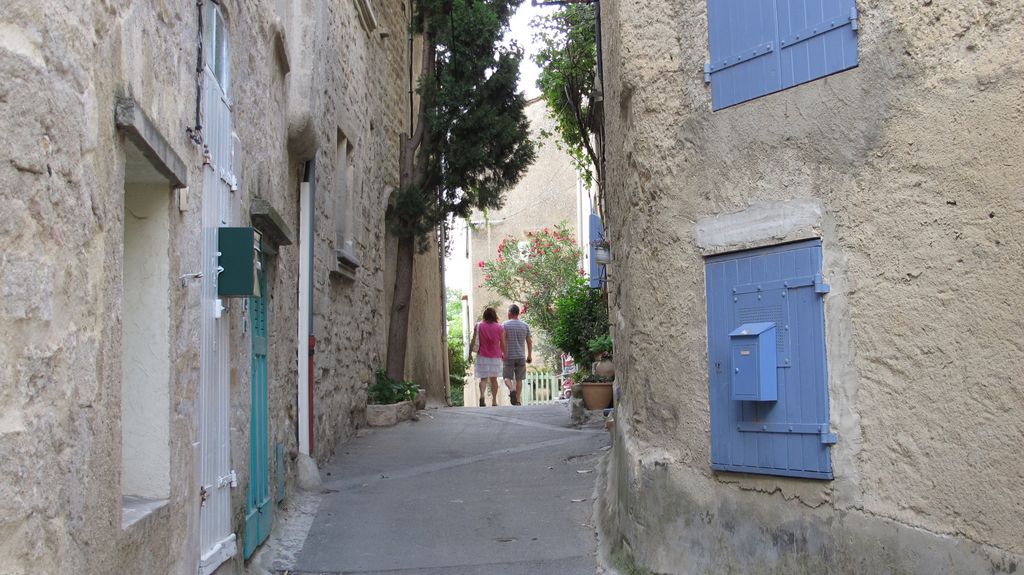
[{"x": 540, "y": 387}]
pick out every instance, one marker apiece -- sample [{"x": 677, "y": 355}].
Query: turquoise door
[{"x": 259, "y": 510}]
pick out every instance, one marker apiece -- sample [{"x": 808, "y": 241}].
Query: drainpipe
[
  {"x": 306, "y": 341},
  {"x": 309, "y": 311}
]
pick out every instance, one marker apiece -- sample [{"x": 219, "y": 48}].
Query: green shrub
[
  {"x": 601, "y": 345},
  {"x": 457, "y": 367},
  {"x": 581, "y": 317},
  {"x": 386, "y": 391}
]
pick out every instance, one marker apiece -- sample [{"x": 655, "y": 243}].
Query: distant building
[
  {"x": 159, "y": 387},
  {"x": 549, "y": 193},
  {"x": 815, "y": 212}
]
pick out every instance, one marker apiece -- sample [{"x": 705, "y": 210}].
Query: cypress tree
[{"x": 471, "y": 141}]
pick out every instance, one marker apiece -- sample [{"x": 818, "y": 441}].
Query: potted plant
[
  {"x": 597, "y": 391},
  {"x": 601, "y": 349},
  {"x": 390, "y": 401},
  {"x": 602, "y": 252}
]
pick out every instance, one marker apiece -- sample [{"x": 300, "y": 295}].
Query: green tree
[
  {"x": 535, "y": 271},
  {"x": 471, "y": 139},
  {"x": 567, "y": 62},
  {"x": 453, "y": 313},
  {"x": 457, "y": 364},
  {"x": 582, "y": 318}
]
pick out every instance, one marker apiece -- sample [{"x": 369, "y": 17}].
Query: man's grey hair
[{"x": 513, "y": 309}]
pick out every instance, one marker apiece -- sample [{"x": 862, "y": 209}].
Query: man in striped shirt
[{"x": 518, "y": 353}]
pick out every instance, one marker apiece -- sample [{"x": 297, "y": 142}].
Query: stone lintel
[
  {"x": 140, "y": 130},
  {"x": 269, "y": 222},
  {"x": 760, "y": 224}
]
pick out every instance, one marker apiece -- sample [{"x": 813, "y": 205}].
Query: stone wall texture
[
  {"x": 909, "y": 169},
  {"x": 301, "y": 70}
]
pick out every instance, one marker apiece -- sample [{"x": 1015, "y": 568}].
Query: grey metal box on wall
[{"x": 754, "y": 362}]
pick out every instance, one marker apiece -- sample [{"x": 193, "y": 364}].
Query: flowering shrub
[{"x": 535, "y": 272}]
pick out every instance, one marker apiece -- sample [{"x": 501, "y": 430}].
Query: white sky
[
  {"x": 523, "y": 35},
  {"x": 458, "y": 270}
]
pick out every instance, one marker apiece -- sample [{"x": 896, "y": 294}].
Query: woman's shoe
[{"x": 482, "y": 402}]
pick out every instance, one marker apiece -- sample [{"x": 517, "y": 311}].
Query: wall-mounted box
[
  {"x": 239, "y": 261},
  {"x": 754, "y": 362}
]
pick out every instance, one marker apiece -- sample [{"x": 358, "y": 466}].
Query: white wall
[{"x": 145, "y": 362}]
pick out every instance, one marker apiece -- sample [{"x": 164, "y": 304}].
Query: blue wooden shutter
[
  {"x": 789, "y": 436},
  {"x": 744, "y": 62},
  {"x": 597, "y": 271},
  {"x": 762, "y": 46}
]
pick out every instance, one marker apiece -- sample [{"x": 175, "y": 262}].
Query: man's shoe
[
  {"x": 512, "y": 398},
  {"x": 482, "y": 402}
]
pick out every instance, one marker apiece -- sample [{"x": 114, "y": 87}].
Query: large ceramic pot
[
  {"x": 604, "y": 368},
  {"x": 597, "y": 394}
]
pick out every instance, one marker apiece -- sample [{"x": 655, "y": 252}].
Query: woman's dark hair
[{"x": 490, "y": 315}]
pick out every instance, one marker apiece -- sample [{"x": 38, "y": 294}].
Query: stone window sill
[
  {"x": 135, "y": 509},
  {"x": 347, "y": 265}
]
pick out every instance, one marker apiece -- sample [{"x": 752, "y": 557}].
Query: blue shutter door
[
  {"x": 789, "y": 436},
  {"x": 762, "y": 46},
  {"x": 744, "y": 57},
  {"x": 259, "y": 510}
]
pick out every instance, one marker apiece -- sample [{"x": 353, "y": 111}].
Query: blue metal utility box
[{"x": 754, "y": 362}]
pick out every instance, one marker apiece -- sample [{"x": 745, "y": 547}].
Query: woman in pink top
[{"x": 489, "y": 360}]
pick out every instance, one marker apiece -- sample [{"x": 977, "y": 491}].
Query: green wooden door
[{"x": 259, "y": 509}]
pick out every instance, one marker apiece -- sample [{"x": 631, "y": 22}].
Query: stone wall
[
  {"x": 301, "y": 70},
  {"x": 908, "y": 168}
]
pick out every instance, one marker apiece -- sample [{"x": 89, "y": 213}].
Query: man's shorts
[{"x": 514, "y": 369}]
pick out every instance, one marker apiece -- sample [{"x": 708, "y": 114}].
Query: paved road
[{"x": 462, "y": 491}]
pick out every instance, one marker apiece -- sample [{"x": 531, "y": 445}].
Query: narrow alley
[{"x": 461, "y": 491}]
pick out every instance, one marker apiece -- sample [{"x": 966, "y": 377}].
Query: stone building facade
[
  {"x": 907, "y": 168},
  {"x": 141, "y": 428}
]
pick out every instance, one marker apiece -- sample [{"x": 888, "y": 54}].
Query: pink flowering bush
[{"x": 536, "y": 273}]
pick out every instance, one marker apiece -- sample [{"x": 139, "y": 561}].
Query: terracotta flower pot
[{"x": 597, "y": 394}]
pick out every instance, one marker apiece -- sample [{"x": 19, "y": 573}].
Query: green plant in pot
[
  {"x": 581, "y": 316},
  {"x": 386, "y": 391},
  {"x": 601, "y": 350}
]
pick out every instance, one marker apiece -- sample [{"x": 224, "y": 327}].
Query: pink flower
[
  {"x": 481, "y": 263},
  {"x": 583, "y": 271},
  {"x": 487, "y": 278}
]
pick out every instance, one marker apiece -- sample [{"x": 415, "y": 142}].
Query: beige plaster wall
[
  {"x": 62, "y": 187},
  {"x": 911, "y": 166},
  {"x": 426, "y": 359}
]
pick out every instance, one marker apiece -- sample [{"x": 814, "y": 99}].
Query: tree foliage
[
  {"x": 582, "y": 318},
  {"x": 534, "y": 271},
  {"x": 457, "y": 364},
  {"x": 567, "y": 62},
  {"x": 475, "y": 141},
  {"x": 471, "y": 140}
]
